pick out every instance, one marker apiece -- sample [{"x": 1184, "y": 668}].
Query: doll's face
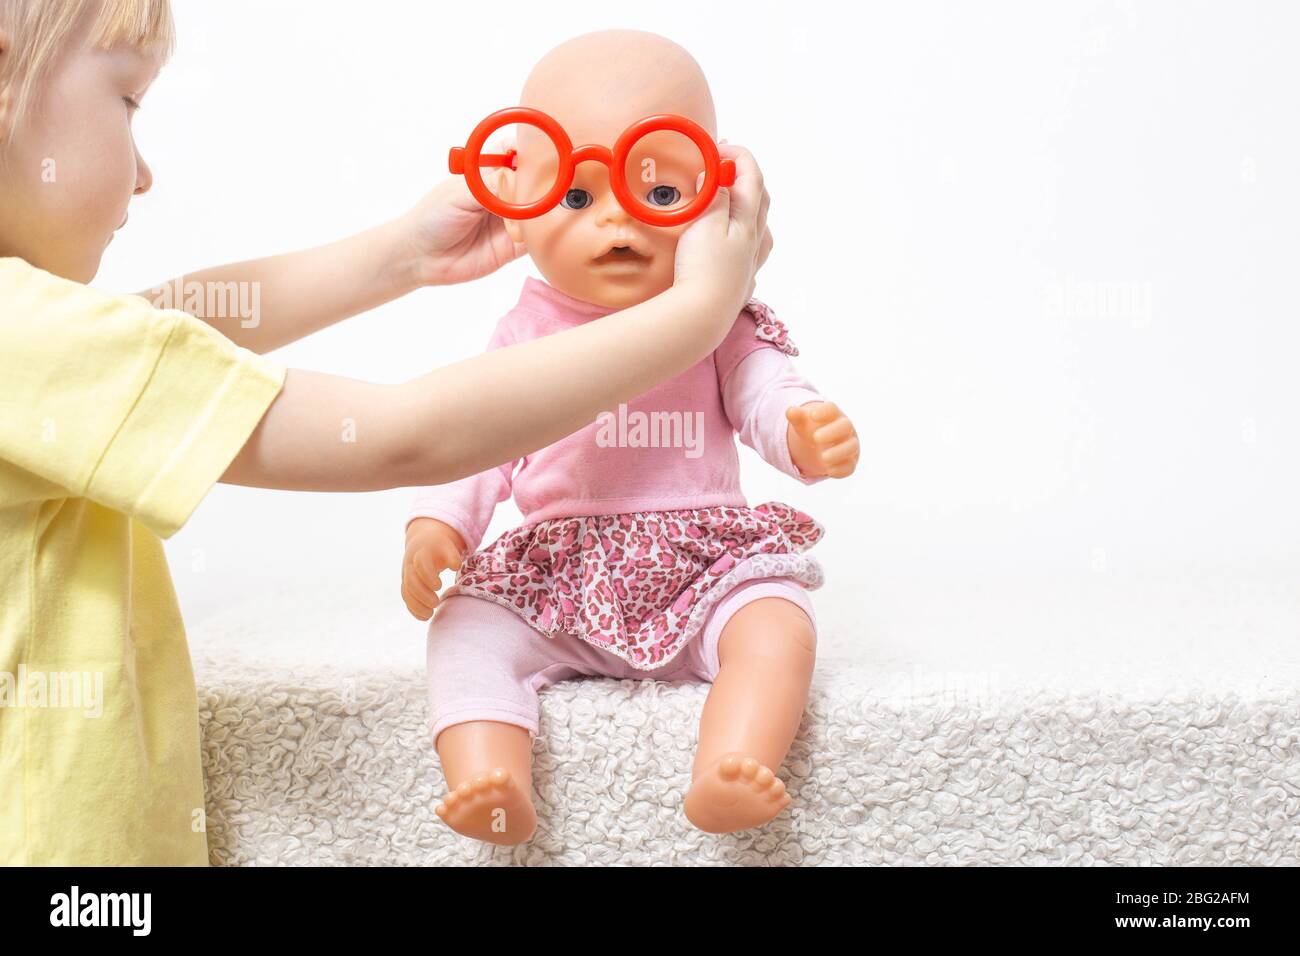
[{"x": 596, "y": 86}]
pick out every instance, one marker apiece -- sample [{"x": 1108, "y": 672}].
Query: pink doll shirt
[{"x": 636, "y": 526}]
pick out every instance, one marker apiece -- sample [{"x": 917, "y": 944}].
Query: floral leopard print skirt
[{"x": 639, "y": 585}]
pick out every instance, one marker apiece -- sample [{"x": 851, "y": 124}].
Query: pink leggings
[{"x": 485, "y": 663}]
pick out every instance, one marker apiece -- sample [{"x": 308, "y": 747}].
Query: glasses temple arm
[{"x": 456, "y": 159}]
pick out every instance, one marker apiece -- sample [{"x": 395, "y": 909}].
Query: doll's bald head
[{"x": 596, "y": 86}]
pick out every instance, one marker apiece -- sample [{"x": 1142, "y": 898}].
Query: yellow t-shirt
[{"x": 115, "y": 420}]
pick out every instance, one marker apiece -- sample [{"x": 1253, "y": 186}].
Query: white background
[{"x": 951, "y": 183}]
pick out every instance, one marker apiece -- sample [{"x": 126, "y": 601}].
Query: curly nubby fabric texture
[{"x": 326, "y": 765}]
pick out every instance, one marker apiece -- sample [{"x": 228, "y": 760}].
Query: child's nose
[{"x": 143, "y": 175}]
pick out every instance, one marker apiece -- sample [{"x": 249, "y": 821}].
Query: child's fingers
[
  {"x": 763, "y": 208},
  {"x": 716, "y": 216},
  {"x": 747, "y": 194},
  {"x": 764, "y": 249}
]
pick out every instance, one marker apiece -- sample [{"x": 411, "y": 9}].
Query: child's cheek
[
  {"x": 91, "y": 164},
  {"x": 97, "y": 179}
]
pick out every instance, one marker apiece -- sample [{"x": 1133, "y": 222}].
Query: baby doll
[{"x": 639, "y": 557}]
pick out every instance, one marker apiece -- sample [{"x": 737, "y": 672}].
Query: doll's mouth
[{"x": 621, "y": 255}]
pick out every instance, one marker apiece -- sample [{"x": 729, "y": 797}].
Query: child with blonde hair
[{"x": 116, "y": 417}]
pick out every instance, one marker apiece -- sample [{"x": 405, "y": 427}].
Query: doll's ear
[
  {"x": 514, "y": 230},
  {"x": 501, "y": 182},
  {"x": 503, "y": 185}
]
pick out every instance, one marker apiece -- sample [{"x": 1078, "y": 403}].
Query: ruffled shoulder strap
[{"x": 770, "y": 328}]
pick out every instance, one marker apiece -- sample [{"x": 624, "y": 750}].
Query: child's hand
[
  {"x": 454, "y": 239},
  {"x": 431, "y": 548},
  {"x": 822, "y": 440},
  {"x": 722, "y": 250}
]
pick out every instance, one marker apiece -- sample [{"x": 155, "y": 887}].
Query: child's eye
[
  {"x": 576, "y": 199},
  {"x": 132, "y": 103},
  {"x": 663, "y": 196}
]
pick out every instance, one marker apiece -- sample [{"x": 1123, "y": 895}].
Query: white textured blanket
[{"x": 316, "y": 751}]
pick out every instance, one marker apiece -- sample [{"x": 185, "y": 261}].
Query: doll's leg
[
  {"x": 494, "y": 805},
  {"x": 766, "y": 653},
  {"x": 485, "y": 668}
]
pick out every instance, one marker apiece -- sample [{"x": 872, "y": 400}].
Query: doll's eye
[
  {"x": 576, "y": 199},
  {"x": 664, "y": 195}
]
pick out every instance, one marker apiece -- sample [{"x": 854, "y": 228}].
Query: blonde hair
[{"x": 39, "y": 30}]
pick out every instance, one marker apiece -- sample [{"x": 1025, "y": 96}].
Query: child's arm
[
  {"x": 447, "y": 238},
  {"x": 325, "y": 433}
]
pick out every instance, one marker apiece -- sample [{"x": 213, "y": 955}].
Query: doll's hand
[
  {"x": 822, "y": 440},
  {"x": 454, "y": 239},
  {"x": 432, "y": 547}
]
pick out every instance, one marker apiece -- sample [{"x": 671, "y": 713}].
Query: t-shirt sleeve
[{"x": 108, "y": 398}]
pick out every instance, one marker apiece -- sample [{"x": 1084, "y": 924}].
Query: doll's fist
[
  {"x": 823, "y": 442},
  {"x": 432, "y": 547}
]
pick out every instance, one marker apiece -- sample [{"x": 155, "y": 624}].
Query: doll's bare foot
[
  {"x": 493, "y": 807},
  {"x": 735, "y": 793}
]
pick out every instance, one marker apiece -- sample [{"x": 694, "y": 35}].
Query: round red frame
[{"x": 469, "y": 160}]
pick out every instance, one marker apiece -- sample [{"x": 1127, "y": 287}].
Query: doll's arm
[
  {"x": 756, "y": 395},
  {"x": 446, "y": 524},
  {"x": 466, "y": 505}
]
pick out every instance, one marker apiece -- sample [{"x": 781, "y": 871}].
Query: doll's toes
[{"x": 735, "y": 793}]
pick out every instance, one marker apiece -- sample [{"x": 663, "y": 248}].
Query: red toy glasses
[{"x": 669, "y": 169}]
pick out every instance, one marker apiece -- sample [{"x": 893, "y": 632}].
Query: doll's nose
[{"x": 608, "y": 209}]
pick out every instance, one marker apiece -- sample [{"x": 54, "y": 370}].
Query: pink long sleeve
[
  {"x": 467, "y": 505},
  {"x": 756, "y": 395}
]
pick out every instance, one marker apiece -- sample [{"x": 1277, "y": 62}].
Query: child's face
[{"x": 68, "y": 172}]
